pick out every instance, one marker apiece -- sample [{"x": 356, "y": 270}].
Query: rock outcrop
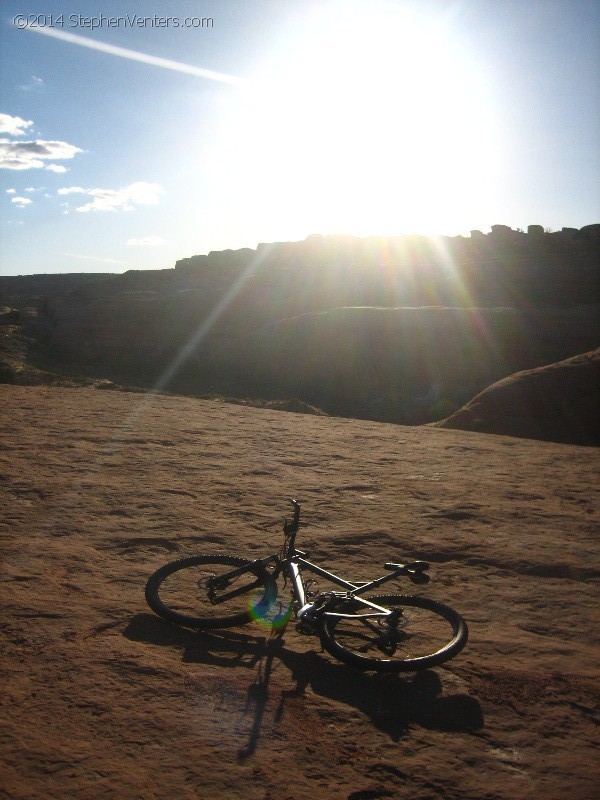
[{"x": 557, "y": 403}]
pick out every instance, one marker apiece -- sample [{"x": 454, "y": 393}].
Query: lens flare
[{"x": 270, "y": 612}]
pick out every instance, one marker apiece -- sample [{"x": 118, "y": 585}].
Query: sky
[{"x": 134, "y": 133}]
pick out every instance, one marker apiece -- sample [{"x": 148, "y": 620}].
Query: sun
[{"x": 370, "y": 119}]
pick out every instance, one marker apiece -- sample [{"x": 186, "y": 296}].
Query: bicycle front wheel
[
  {"x": 419, "y": 633},
  {"x": 181, "y": 592}
]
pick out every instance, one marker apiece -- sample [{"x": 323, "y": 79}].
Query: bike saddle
[
  {"x": 415, "y": 570},
  {"x": 413, "y": 566}
]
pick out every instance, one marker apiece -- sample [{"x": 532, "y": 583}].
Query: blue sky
[{"x": 138, "y": 132}]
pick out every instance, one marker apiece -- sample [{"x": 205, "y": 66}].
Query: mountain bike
[{"x": 387, "y": 633}]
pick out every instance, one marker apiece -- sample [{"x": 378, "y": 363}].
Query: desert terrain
[{"x": 102, "y": 699}]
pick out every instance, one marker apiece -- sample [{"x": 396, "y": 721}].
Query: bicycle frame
[
  {"x": 375, "y": 632},
  {"x": 296, "y": 560},
  {"x": 294, "y": 565}
]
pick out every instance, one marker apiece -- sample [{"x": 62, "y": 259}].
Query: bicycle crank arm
[
  {"x": 224, "y": 579},
  {"x": 234, "y": 592}
]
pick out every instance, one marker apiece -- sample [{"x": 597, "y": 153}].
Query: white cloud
[
  {"x": 14, "y": 126},
  {"x": 11, "y": 191},
  {"x": 56, "y": 168},
  {"x": 31, "y": 155},
  {"x": 126, "y": 199},
  {"x": 72, "y": 190},
  {"x": 30, "y": 189},
  {"x": 21, "y": 202},
  {"x": 147, "y": 241}
]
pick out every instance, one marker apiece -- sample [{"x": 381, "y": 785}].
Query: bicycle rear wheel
[
  {"x": 420, "y": 633},
  {"x": 180, "y": 592}
]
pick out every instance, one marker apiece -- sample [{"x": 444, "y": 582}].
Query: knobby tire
[
  {"x": 357, "y": 642},
  {"x": 188, "y": 604}
]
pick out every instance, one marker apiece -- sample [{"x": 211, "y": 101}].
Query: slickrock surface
[{"x": 101, "y": 699}]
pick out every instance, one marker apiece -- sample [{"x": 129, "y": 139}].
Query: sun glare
[{"x": 371, "y": 120}]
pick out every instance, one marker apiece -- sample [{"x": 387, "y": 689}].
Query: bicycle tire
[
  {"x": 180, "y": 601},
  {"x": 350, "y": 640}
]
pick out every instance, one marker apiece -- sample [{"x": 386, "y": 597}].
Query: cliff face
[
  {"x": 402, "y": 329},
  {"x": 504, "y": 267}
]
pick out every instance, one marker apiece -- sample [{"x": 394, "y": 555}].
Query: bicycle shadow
[{"x": 392, "y": 702}]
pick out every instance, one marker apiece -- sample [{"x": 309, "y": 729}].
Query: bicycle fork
[{"x": 221, "y": 582}]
